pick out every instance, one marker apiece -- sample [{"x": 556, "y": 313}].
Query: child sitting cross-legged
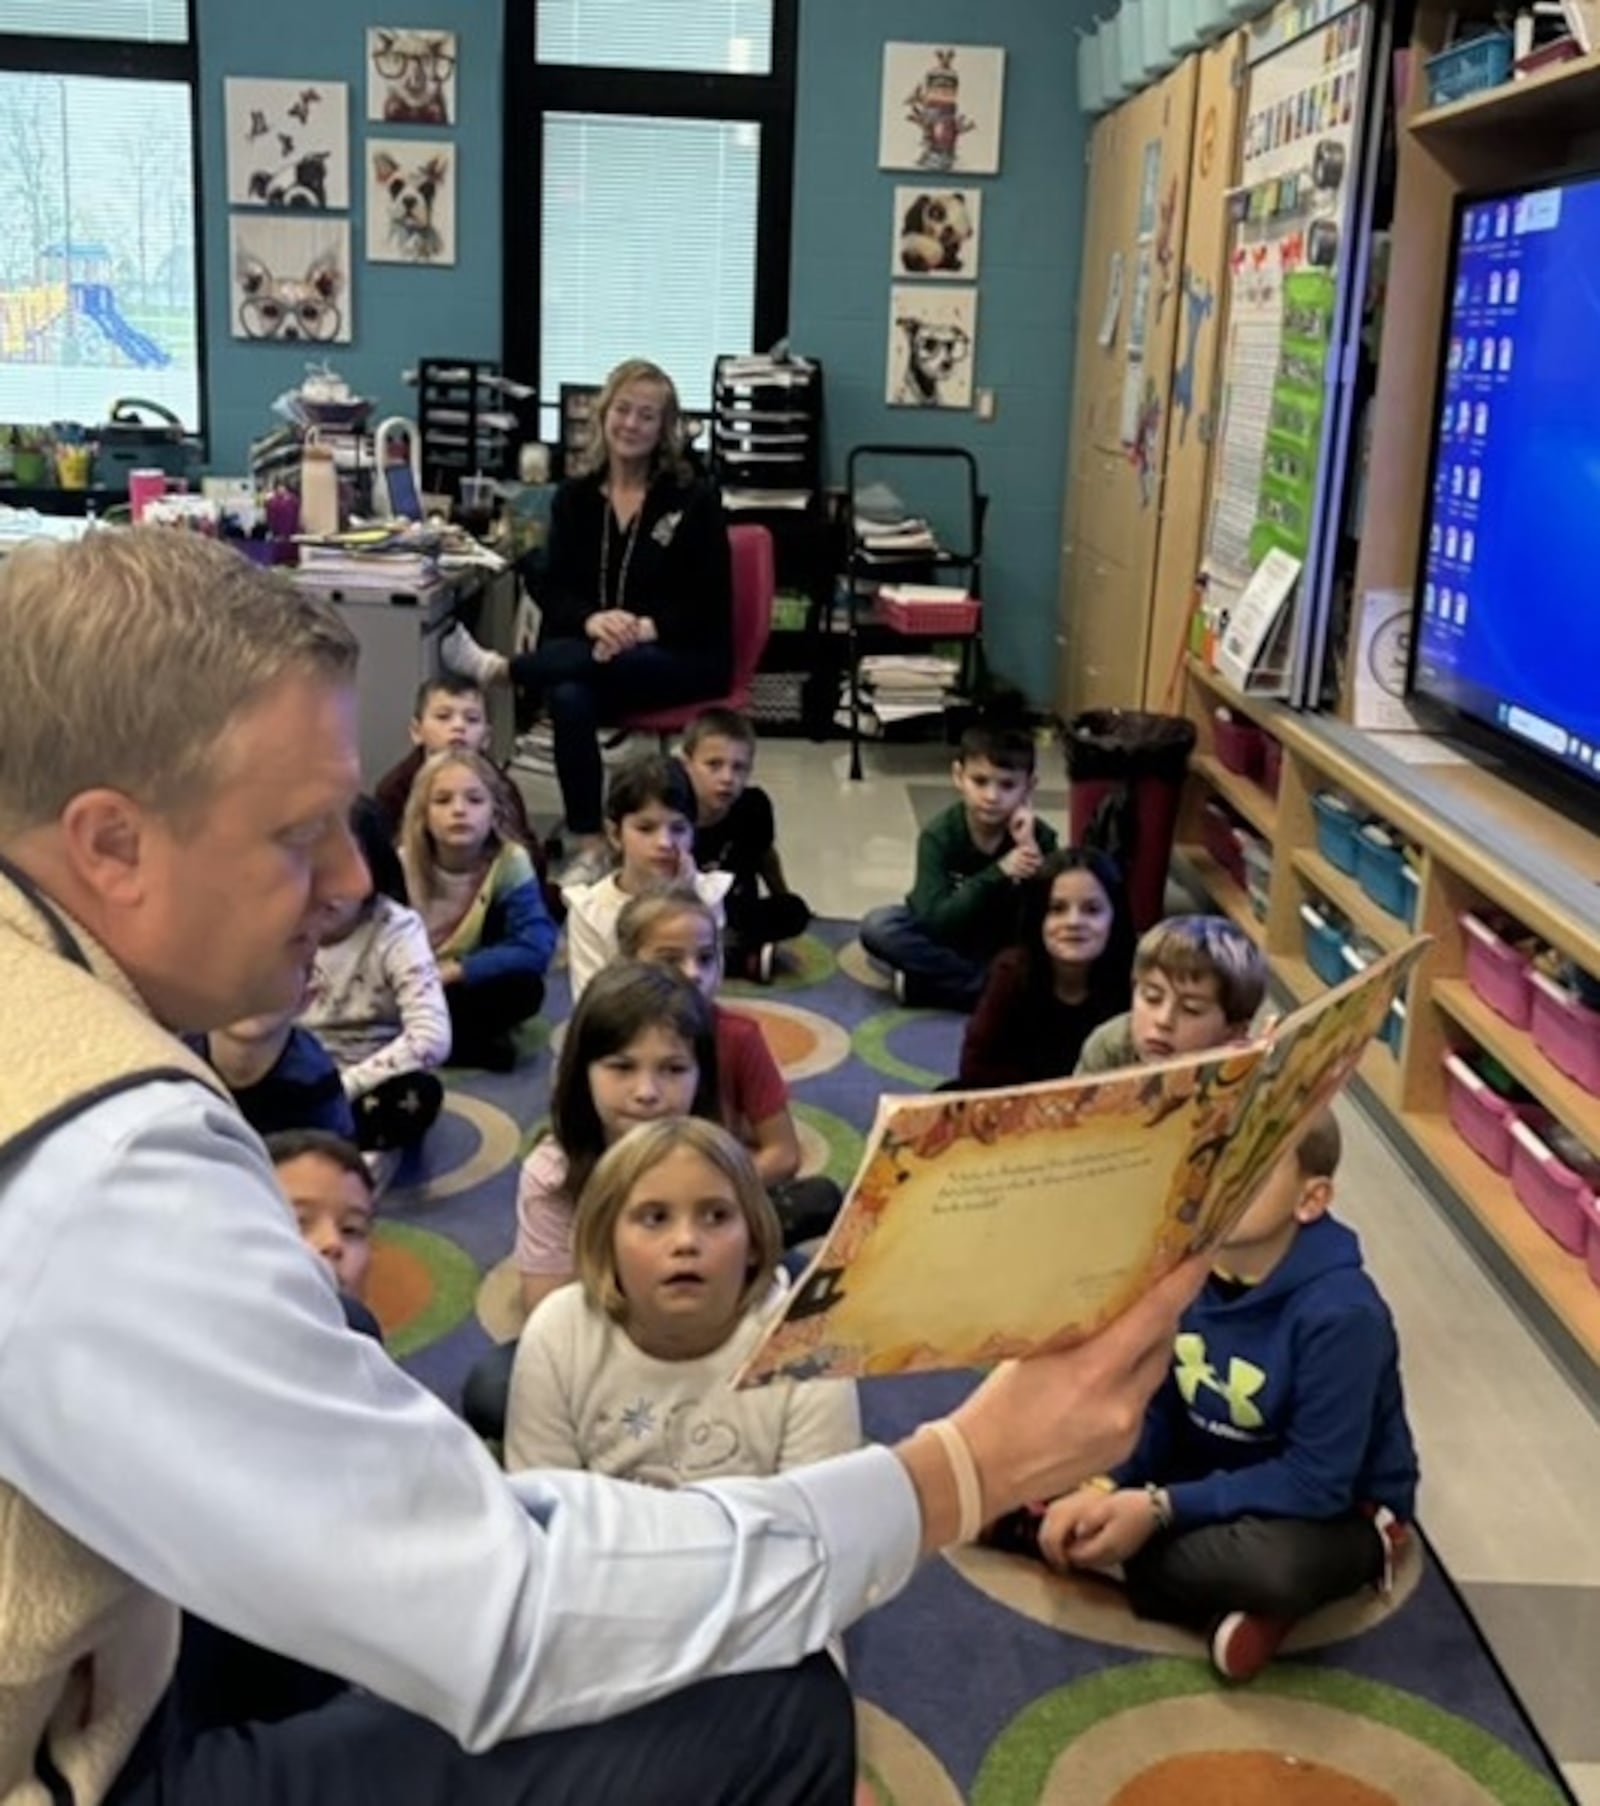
[
  {"x": 649, "y": 819},
  {"x": 281, "y": 1076},
  {"x": 674, "y": 927},
  {"x": 964, "y": 907},
  {"x": 1197, "y": 983},
  {"x": 450, "y": 714},
  {"x": 474, "y": 884},
  {"x": 375, "y": 1001},
  {"x": 1276, "y": 1471},
  {"x": 736, "y": 832}
]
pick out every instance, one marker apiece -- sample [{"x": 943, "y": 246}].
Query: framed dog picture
[
  {"x": 932, "y": 344},
  {"x": 936, "y": 233},
  {"x": 941, "y": 109},
  {"x": 288, "y": 144},
  {"x": 289, "y": 280},
  {"x": 411, "y": 202},
  {"x": 411, "y": 76}
]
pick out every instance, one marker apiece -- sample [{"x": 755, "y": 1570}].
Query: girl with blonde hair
[
  {"x": 470, "y": 878},
  {"x": 636, "y": 605}
]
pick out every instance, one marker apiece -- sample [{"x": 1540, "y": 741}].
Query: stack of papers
[
  {"x": 400, "y": 558},
  {"x": 902, "y": 687}
]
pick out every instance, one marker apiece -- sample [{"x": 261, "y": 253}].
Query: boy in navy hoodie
[{"x": 1276, "y": 1471}]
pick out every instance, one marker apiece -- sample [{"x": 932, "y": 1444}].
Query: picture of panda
[{"x": 935, "y": 233}]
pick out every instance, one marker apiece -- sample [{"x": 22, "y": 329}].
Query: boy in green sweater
[{"x": 963, "y": 907}]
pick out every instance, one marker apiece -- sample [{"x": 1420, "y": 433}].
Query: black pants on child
[
  {"x": 780, "y": 1738},
  {"x": 755, "y": 921},
  {"x": 1277, "y": 1567},
  {"x": 398, "y": 1113},
  {"x": 484, "y": 1016}
]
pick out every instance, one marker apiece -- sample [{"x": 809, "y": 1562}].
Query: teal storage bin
[
  {"x": 1324, "y": 945},
  {"x": 1130, "y": 45},
  {"x": 1183, "y": 29},
  {"x": 1381, "y": 871},
  {"x": 1156, "y": 30},
  {"x": 1337, "y": 828},
  {"x": 1091, "y": 89}
]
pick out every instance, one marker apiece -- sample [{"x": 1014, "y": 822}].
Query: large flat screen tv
[{"x": 1506, "y": 627}]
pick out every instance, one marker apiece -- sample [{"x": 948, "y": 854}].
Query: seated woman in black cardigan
[{"x": 636, "y": 605}]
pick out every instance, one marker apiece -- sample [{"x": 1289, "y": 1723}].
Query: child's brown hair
[
  {"x": 622, "y": 1167},
  {"x": 1195, "y": 947}
]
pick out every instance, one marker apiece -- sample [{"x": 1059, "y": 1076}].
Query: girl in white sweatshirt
[{"x": 376, "y": 1003}]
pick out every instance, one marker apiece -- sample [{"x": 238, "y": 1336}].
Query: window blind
[
  {"x": 648, "y": 246},
  {"x": 728, "y": 37},
  {"x": 135, "y": 21},
  {"x": 97, "y": 263}
]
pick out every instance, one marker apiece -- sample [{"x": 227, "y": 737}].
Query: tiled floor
[{"x": 1510, "y": 1452}]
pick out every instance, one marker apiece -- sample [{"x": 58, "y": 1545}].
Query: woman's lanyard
[
  {"x": 60, "y": 933},
  {"x": 630, "y": 539}
]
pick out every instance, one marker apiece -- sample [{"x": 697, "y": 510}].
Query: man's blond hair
[{"x": 127, "y": 654}]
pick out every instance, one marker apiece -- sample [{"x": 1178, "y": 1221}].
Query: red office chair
[{"x": 754, "y": 581}]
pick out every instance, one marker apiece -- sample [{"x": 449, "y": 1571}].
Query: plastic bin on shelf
[
  {"x": 1566, "y": 1031},
  {"x": 928, "y": 616},
  {"x": 1551, "y": 1192},
  {"x": 1240, "y": 744},
  {"x": 1337, "y": 827},
  {"x": 1469, "y": 68},
  {"x": 1591, "y": 1226},
  {"x": 1271, "y": 764},
  {"x": 1219, "y": 833},
  {"x": 1381, "y": 869},
  {"x": 1324, "y": 945},
  {"x": 1411, "y": 885},
  {"x": 1498, "y": 972},
  {"x": 1482, "y": 1117},
  {"x": 1393, "y": 1032},
  {"x": 1257, "y": 870}
]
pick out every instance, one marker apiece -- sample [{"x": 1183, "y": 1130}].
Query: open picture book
[{"x": 989, "y": 1224}]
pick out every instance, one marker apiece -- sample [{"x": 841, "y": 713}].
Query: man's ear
[{"x": 105, "y": 835}]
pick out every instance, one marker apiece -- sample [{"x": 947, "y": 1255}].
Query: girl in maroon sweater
[{"x": 1068, "y": 973}]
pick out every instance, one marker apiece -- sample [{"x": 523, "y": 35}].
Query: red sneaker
[{"x": 1244, "y": 1642}]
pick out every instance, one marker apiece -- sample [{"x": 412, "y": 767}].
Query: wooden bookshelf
[
  {"x": 1563, "y": 99},
  {"x": 1241, "y": 794}
]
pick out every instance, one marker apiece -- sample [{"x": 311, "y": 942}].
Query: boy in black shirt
[{"x": 736, "y": 832}]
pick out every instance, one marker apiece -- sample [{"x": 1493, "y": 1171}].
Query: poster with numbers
[{"x": 1296, "y": 219}]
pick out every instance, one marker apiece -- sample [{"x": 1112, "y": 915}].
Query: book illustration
[{"x": 987, "y": 1225}]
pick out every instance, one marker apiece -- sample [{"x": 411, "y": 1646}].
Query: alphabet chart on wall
[{"x": 1293, "y": 226}]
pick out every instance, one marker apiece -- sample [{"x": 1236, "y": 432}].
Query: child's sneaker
[
  {"x": 461, "y": 653},
  {"x": 759, "y": 963},
  {"x": 901, "y": 985},
  {"x": 1244, "y": 1642},
  {"x": 1394, "y": 1536}
]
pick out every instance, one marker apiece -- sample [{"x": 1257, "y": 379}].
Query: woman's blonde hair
[
  {"x": 668, "y": 454},
  {"x": 661, "y": 903},
  {"x": 622, "y": 1167},
  {"x": 127, "y": 657},
  {"x": 416, "y": 844}
]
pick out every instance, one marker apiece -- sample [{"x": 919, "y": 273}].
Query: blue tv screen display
[{"x": 1507, "y": 626}]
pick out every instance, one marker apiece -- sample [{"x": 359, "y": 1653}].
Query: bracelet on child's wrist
[
  {"x": 964, "y": 1472},
  {"x": 1160, "y": 1505}
]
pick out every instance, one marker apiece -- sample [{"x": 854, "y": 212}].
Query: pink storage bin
[
  {"x": 1566, "y": 1031},
  {"x": 1221, "y": 837},
  {"x": 1271, "y": 763},
  {"x": 1551, "y": 1192},
  {"x": 1591, "y": 1227},
  {"x": 1498, "y": 972},
  {"x": 1239, "y": 744},
  {"x": 1482, "y": 1117}
]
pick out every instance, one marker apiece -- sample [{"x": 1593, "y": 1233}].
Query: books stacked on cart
[
  {"x": 930, "y": 609},
  {"x": 896, "y": 688},
  {"x": 396, "y": 561}
]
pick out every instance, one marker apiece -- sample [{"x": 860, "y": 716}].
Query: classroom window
[
  {"x": 98, "y": 281},
  {"x": 647, "y": 186}
]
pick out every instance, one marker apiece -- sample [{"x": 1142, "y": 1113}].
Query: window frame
[
  {"x": 533, "y": 89},
  {"x": 134, "y": 59}
]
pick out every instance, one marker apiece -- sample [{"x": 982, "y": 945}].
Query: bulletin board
[
  {"x": 1127, "y": 331},
  {"x": 1294, "y": 220}
]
